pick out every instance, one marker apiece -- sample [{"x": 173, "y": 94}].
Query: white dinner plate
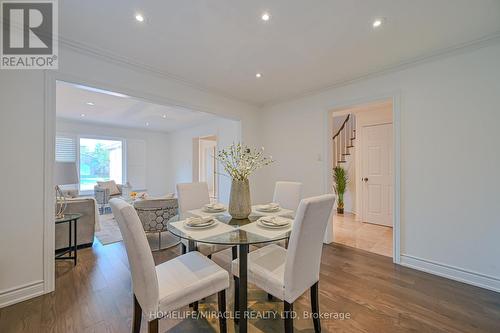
[
  {"x": 268, "y": 210},
  {"x": 200, "y": 226},
  {"x": 272, "y": 226},
  {"x": 210, "y": 210}
]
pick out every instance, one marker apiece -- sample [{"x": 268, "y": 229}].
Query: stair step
[
  {"x": 350, "y": 146},
  {"x": 346, "y": 154},
  {"x": 353, "y": 138},
  {"x": 341, "y": 161}
]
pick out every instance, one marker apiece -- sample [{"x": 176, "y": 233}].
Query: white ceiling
[
  {"x": 121, "y": 110},
  {"x": 307, "y": 45}
]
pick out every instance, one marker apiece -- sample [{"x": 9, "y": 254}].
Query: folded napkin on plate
[
  {"x": 214, "y": 206},
  {"x": 270, "y": 206},
  {"x": 275, "y": 220},
  {"x": 193, "y": 221}
]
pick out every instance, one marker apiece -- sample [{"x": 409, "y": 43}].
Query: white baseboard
[
  {"x": 21, "y": 293},
  {"x": 450, "y": 272}
]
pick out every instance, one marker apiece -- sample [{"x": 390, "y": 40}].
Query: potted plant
[
  {"x": 240, "y": 162},
  {"x": 340, "y": 181}
]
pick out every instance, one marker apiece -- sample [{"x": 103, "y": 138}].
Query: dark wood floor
[{"x": 377, "y": 296}]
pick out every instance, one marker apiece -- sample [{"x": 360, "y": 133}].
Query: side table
[{"x": 71, "y": 251}]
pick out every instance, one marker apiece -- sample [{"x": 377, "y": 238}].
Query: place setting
[
  {"x": 199, "y": 222},
  {"x": 274, "y": 222},
  {"x": 268, "y": 208},
  {"x": 201, "y": 227},
  {"x": 211, "y": 209},
  {"x": 214, "y": 208},
  {"x": 271, "y": 209},
  {"x": 269, "y": 226}
]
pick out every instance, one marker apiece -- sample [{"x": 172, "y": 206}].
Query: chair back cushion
[
  {"x": 140, "y": 258},
  {"x": 305, "y": 246},
  {"x": 192, "y": 196},
  {"x": 288, "y": 194}
]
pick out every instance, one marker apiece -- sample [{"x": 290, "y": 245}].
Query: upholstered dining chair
[
  {"x": 170, "y": 285},
  {"x": 288, "y": 273},
  {"x": 194, "y": 196},
  {"x": 288, "y": 195}
]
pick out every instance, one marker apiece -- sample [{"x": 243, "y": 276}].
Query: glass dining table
[{"x": 233, "y": 232}]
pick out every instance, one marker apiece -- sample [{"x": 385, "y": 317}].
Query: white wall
[
  {"x": 449, "y": 163},
  {"x": 147, "y": 153},
  {"x": 21, "y": 197},
  {"x": 181, "y": 152},
  {"x": 26, "y": 152}
]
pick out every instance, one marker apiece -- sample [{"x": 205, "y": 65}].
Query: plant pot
[
  {"x": 239, "y": 202},
  {"x": 340, "y": 210}
]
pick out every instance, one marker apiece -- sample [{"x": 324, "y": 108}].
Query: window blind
[{"x": 65, "y": 148}]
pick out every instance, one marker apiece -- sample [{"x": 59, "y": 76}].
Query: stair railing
[{"x": 342, "y": 140}]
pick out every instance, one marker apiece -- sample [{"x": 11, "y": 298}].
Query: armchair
[
  {"x": 155, "y": 214},
  {"x": 102, "y": 196}
]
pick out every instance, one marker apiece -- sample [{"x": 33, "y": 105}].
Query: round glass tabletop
[{"x": 229, "y": 231}]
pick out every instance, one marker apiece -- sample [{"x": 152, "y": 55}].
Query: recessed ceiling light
[
  {"x": 258, "y": 75},
  {"x": 378, "y": 22},
  {"x": 265, "y": 16},
  {"x": 147, "y": 124},
  {"x": 164, "y": 116},
  {"x": 139, "y": 17},
  {"x": 82, "y": 115},
  {"x": 90, "y": 103}
]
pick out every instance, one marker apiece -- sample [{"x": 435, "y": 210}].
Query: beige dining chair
[
  {"x": 288, "y": 273},
  {"x": 288, "y": 195},
  {"x": 194, "y": 196},
  {"x": 171, "y": 285}
]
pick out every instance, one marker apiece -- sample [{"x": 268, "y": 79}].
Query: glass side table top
[
  {"x": 229, "y": 231},
  {"x": 68, "y": 217}
]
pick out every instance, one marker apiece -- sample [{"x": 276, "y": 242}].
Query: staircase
[{"x": 343, "y": 141}]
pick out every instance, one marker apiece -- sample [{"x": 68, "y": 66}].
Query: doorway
[
  {"x": 362, "y": 144},
  {"x": 205, "y": 170}
]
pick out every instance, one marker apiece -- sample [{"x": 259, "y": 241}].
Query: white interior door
[{"x": 377, "y": 174}]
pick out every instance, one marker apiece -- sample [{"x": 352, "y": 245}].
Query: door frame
[
  {"x": 337, "y": 108},
  {"x": 213, "y": 138},
  {"x": 49, "y": 110}
]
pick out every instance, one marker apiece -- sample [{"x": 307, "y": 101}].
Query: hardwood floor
[
  {"x": 365, "y": 236},
  {"x": 377, "y": 296}
]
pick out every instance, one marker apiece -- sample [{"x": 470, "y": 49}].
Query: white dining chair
[
  {"x": 171, "y": 285},
  {"x": 194, "y": 196},
  {"x": 288, "y": 273},
  {"x": 288, "y": 195}
]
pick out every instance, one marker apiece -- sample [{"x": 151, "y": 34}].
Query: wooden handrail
[{"x": 341, "y": 127}]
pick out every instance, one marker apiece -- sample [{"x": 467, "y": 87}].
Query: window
[
  {"x": 65, "y": 148},
  {"x": 100, "y": 160}
]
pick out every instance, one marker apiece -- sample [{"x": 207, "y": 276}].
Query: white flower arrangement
[{"x": 241, "y": 161}]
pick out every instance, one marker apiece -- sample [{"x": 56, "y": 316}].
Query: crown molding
[
  {"x": 136, "y": 65},
  {"x": 439, "y": 54},
  {"x": 133, "y": 64}
]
